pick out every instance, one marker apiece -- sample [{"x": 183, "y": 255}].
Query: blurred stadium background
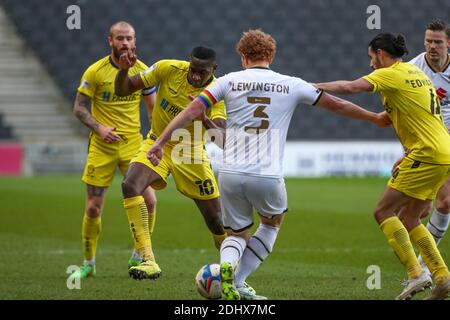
[{"x": 41, "y": 62}]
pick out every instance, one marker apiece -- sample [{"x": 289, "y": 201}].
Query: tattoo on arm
[{"x": 81, "y": 111}]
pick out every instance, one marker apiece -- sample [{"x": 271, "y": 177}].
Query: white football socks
[
  {"x": 438, "y": 224},
  {"x": 232, "y": 249},
  {"x": 258, "y": 249}
]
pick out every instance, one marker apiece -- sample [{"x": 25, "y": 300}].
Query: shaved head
[
  {"x": 120, "y": 25},
  {"x": 121, "y": 38}
]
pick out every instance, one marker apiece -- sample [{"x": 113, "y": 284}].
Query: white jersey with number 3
[{"x": 260, "y": 104}]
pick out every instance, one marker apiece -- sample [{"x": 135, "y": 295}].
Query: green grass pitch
[{"x": 328, "y": 240}]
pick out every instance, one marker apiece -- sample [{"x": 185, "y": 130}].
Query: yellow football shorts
[
  {"x": 194, "y": 180},
  {"x": 103, "y": 158},
  {"x": 419, "y": 180}
]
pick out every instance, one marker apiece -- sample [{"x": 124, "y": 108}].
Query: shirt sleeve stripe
[
  {"x": 318, "y": 97},
  {"x": 148, "y": 91}
]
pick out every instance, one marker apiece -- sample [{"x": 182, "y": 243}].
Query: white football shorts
[{"x": 240, "y": 193}]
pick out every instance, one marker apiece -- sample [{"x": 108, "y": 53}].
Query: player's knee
[
  {"x": 93, "y": 210},
  {"x": 443, "y": 206},
  {"x": 275, "y": 221},
  {"x": 246, "y": 234},
  {"x": 130, "y": 189},
  {"x": 214, "y": 224},
  {"x": 380, "y": 215}
]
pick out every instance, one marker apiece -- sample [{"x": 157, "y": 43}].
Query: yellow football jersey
[
  {"x": 175, "y": 94},
  {"x": 411, "y": 101},
  {"x": 110, "y": 110}
]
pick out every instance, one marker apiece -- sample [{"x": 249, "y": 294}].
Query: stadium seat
[{"x": 5, "y": 130}]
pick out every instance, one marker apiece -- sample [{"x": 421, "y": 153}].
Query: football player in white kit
[
  {"x": 260, "y": 103},
  {"x": 435, "y": 63}
]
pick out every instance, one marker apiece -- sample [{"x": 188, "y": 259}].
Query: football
[{"x": 207, "y": 281}]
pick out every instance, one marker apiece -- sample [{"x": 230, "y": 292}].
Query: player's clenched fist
[
  {"x": 383, "y": 120},
  {"x": 127, "y": 59}
]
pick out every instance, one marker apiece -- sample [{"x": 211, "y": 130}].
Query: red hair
[{"x": 257, "y": 45}]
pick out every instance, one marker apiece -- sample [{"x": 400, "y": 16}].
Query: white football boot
[{"x": 416, "y": 285}]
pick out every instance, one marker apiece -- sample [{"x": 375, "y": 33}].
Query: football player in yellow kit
[
  {"x": 114, "y": 139},
  {"x": 178, "y": 83},
  {"x": 410, "y": 100}
]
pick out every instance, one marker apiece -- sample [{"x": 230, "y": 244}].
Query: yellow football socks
[
  {"x": 151, "y": 222},
  {"x": 398, "y": 239},
  {"x": 90, "y": 232},
  {"x": 218, "y": 238},
  {"x": 138, "y": 220},
  {"x": 424, "y": 241},
  {"x": 151, "y": 225}
]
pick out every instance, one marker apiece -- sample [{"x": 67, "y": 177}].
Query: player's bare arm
[
  {"x": 216, "y": 128},
  {"x": 150, "y": 103},
  {"x": 81, "y": 111},
  {"x": 346, "y": 87},
  {"x": 194, "y": 110},
  {"x": 351, "y": 110},
  {"x": 125, "y": 85}
]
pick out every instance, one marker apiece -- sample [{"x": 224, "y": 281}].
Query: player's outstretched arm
[
  {"x": 194, "y": 110},
  {"x": 351, "y": 110},
  {"x": 150, "y": 103},
  {"x": 346, "y": 87},
  {"x": 123, "y": 84},
  {"x": 80, "y": 110}
]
